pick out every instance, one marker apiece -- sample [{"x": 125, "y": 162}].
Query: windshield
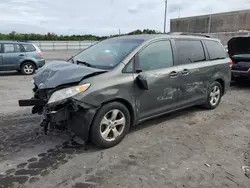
[{"x": 108, "y": 53}]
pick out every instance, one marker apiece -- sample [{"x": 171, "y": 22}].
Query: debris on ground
[
  {"x": 246, "y": 169},
  {"x": 208, "y": 165}
]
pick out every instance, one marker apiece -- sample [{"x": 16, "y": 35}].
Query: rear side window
[
  {"x": 17, "y": 48},
  {"x": 9, "y": 48},
  {"x": 189, "y": 51},
  {"x": 215, "y": 50},
  {"x": 29, "y": 48}
]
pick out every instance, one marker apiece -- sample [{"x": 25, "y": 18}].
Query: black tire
[
  {"x": 95, "y": 133},
  {"x": 31, "y": 67},
  {"x": 208, "y": 104}
]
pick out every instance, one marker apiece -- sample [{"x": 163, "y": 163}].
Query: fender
[{"x": 33, "y": 60}]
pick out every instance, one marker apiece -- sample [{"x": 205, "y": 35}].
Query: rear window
[
  {"x": 189, "y": 51},
  {"x": 215, "y": 50},
  {"x": 29, "y": 48}
]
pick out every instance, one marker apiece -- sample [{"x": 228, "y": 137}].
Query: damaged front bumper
[{"x": 73, "y": 115}]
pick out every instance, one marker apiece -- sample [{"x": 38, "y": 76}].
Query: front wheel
[
  {"x": 110, "y": 125},
  {"x": 214, "y": 96}
]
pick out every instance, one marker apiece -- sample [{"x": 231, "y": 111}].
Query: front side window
[
  {"x": 108, "y": 53},
  {"x": 157, "y": 55},
  {"x": 9, "y": 48},
  {"x": 189, "y": 51},
  {"x": 215, "y": 50}
]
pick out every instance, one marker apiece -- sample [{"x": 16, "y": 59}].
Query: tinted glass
[
  {"x": 129, "y": 67},
  {"x": 108, "y": 53},
  {"x": 189, "y": 51},
  {"x": 29, "y": 48},
  {"x": 17, "y": 48},
  {"x": 215, "y": 50},
  {"x": 157, "y": 55},
  {"x": 9, "y": 48}
]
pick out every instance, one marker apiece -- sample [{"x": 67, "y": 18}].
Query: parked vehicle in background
[
  {"x": 239, "y": 51},
  {"x": 123, "y": 81},
  {"x": 20, "y": 56}
]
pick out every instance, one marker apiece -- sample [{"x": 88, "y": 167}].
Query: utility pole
[
  {"x": 119, "y": 32},
  {"x": 165, "y": 15},
  {"x": 209, "y": 23}
]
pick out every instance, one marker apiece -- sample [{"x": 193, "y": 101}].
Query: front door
[
  {"x": 195, "y": 70},
  {"x": 156, "y": 63},
  {"x": 12, "y": 55}
]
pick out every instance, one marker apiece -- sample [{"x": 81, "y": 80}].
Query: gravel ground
[{"x": 189, "y": 148}]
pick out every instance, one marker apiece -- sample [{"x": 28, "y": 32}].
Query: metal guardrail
[{"x": 63, "y": 45}]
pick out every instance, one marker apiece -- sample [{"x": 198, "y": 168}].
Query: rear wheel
[
  {"x": 214, "y": 96},
  {"x": 28, "y": 68},
  {"x": 110, "y": 125}
]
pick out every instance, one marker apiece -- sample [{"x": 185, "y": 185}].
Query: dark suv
[
  {"x": 20, "y": 56},
  {"x": 120, "y": 82},
  {"x": 239, "y": 51}
]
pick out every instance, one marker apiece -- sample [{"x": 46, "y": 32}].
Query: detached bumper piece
[{"x": 32, "y": 102}]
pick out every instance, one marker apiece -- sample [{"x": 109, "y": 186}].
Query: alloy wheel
[
  {"x": 28, "y": 69},
  {"x": 215, "y": 95},
  {"x": 112, "y": 125}
]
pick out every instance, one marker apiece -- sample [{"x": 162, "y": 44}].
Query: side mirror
[{"x": 142, "y": 81}]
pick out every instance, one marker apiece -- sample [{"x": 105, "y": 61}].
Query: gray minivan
[
  {"x": 20, "y": 56},
  {"x": 120, "y": 82}
]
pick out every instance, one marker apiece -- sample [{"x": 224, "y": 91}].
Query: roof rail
[{"x": 186, "y": 33}]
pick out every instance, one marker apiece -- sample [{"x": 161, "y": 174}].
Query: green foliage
[{"x": 52, "y": 36}]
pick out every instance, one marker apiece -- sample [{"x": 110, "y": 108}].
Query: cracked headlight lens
[{"x": 67, "y": 92}]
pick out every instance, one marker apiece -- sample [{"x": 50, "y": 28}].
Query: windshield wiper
[{"x": 86, "y": 64}]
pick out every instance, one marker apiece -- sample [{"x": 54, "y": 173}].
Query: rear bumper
[
  {"x": 241, "y": 74},
  {"x": 40, "y": 63}
]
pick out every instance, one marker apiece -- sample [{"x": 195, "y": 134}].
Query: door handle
[
  {"x": 185, "y": 72},
  {"x": 21, "y": 55},
  {"x": 173, "y": 74}
]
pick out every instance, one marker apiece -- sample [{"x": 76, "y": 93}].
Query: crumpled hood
[{"x": 57, "y": 73}]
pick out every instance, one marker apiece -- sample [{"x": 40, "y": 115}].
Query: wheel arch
[
  {"x": 28, "y": 61},
  {"x": 127, "y": 104},
  {"x": 222, "y": 82}
]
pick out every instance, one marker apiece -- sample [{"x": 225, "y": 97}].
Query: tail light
[
  {"x": 40, "y": 54},
  {"x": 230, "y": 64}
]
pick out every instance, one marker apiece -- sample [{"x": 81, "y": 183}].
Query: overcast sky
[{"x": 102, "y": 17}]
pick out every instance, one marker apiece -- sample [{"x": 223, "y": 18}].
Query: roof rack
[{"x": 185, "y": 33}]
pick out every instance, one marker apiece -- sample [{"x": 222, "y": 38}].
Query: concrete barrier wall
[
  {"x": 226, "y": 36},
  {"x": 63, "y": 45},
  {"x": 214, "y": 23}
]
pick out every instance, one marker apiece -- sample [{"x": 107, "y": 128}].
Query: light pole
[{"x": 165, "y": 15}]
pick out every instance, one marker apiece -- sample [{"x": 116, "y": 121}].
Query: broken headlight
[{"x": 67, "y": 92}]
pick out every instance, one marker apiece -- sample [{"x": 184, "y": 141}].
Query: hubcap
[
  {"x": 28, "y": 69},
  {"x": 112, "y": 125},
  {"x": 214, "y": 95}
]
